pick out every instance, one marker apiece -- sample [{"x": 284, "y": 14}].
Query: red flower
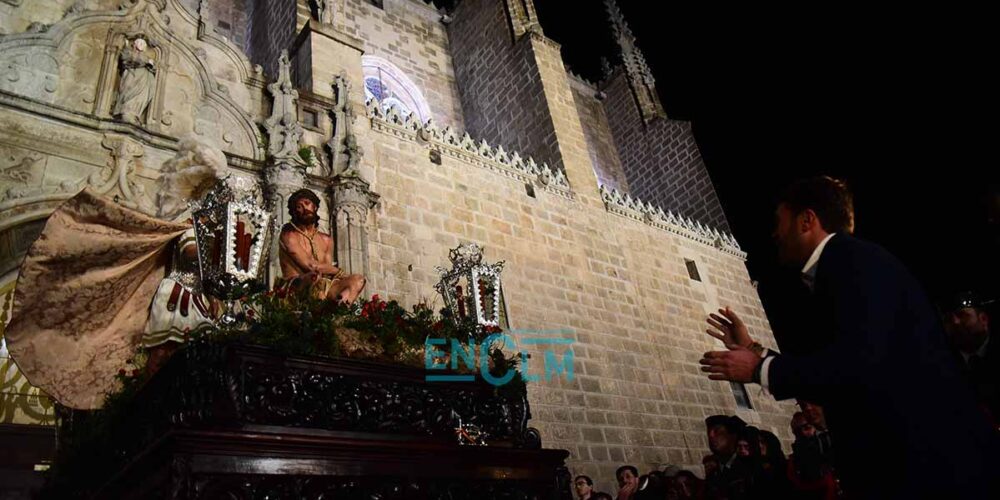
[
  {"x": 375, "y": 298},
  {"x": 135, "y": 372},
  {"x": 437, "y": 326},
  {"x": 250, "y": 313},
  {"x": 121, "y": 372}
]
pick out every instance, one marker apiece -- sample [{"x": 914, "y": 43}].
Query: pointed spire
[
  {"x": 523, "y": 18},
  {"x": 639, "y": 75}
]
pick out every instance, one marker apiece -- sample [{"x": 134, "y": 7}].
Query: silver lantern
[
  {"x": 471, "y": 287},
  {"x": 233, "y": 232}
]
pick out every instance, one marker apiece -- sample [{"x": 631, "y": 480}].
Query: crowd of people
[
  {"x": 749, "y": 463},
  {"x": 745, "y": 463}
]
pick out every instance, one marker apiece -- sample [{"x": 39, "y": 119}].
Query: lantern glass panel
[{"x": 243, "y": 238}]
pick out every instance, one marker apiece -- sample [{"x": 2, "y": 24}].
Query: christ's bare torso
[{"x": 295, "y": 243}]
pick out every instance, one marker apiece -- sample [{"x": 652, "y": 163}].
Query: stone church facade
[{"x": 421, "y": 131}]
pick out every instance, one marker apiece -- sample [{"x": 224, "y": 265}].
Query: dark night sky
[{"x": 881, "y": 99}]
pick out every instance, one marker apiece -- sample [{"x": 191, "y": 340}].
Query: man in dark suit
[{"x": 876, "y": 360}]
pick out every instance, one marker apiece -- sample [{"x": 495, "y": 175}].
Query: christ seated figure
[{"x": 306, "y": 254}]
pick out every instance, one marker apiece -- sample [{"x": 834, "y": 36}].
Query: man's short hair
[
  {"x": 590, "y": 482},
  {"x": 732, "y": 423},
  {"x": 298, "y": 195},
  {"x": 635, "y": 472},
  {"x": 830, "y": 198}
]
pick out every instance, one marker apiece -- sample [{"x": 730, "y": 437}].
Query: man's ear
[{"x": 807, "y": 220}]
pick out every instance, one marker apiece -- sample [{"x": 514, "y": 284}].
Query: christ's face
[{"x": 304, "y": 212}]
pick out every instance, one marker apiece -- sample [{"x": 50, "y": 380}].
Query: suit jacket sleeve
[{"x": 860, "y": 294}]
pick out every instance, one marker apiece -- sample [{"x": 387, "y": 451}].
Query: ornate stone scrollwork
[{"x": 116, "y": 178}]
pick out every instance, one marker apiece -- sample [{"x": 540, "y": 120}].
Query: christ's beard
[{"x": 305, "y": 220}]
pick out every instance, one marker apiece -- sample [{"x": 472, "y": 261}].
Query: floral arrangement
[{"x": 297, "y": 323}]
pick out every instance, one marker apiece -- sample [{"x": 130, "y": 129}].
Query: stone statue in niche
[{"x": 137, "y": 81}]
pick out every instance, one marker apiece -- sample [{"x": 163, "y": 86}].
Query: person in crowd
[
  {"x": 967, "y": 323},
  {"x": 748, "y": 444},
  {"x": 689, "y": 487},
  {"x": 772, "y": 457},
  {"x": 734, "y": 476},
  {"x": 652, "y": 486},
  {"x": 628, "y": 481},
  {"x": 773, "y": 479},
  {"x": 801, "y": 427},
  {"x": 814, "y": 414},
  {"x": 584, "y": 486},
  {"x": 711, "y": 466}
]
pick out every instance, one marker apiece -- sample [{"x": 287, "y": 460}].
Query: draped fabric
[{"x": 83, "y": 296}]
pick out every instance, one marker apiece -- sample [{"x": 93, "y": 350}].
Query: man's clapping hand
[
  {"x": 737, "y": 364},
  {"x": 729, "y": 328}
]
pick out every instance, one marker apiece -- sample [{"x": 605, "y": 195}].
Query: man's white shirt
[{"x": 809, "y": 277}]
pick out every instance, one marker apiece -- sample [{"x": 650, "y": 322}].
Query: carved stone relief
[
  {"x": 116, "y": 179},
  {"x": 32, "y": 73},
  {"x": 20, "y": 167},
  {"x": 23, "y": 176}
]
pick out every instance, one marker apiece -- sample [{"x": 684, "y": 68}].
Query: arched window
[{"x": 388, "y": 85}]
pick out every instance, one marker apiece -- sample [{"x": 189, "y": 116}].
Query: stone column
[
  {"x": 352, "y": 199},
  {"x": 281, "y": 179}
]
